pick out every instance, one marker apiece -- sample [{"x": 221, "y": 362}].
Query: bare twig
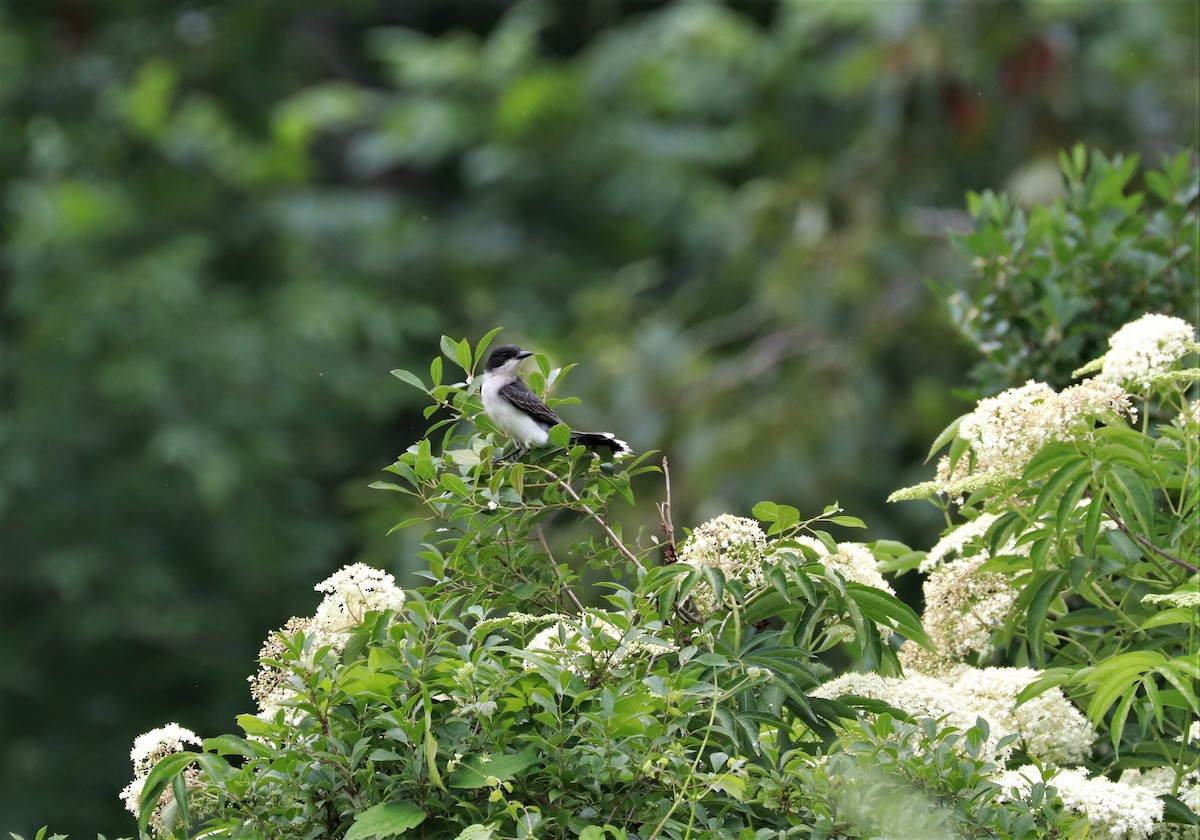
[
  {"x": 664, "y": 515},
  {"x": 1146, "y": 544},
  {"x": 604, "y": 526}
]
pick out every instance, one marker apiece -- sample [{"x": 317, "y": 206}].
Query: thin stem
[
  {"x": 604, "y": 526},
  {"x": 554, "y": 564},
  {"x": 1146, "y": 544},
  {"x": 712, "y": 716}
]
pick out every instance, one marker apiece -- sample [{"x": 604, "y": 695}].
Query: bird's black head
[{"x": 504, "y": 354}]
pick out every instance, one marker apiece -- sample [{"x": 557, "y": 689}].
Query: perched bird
[{"x": 521, "y": 415}]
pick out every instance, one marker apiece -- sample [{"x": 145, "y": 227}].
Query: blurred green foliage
[
  {"x": 223, "y": 225},
  {"x": 1051, "y": 285}
]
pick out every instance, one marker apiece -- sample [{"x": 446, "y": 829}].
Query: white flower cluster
[
  {"x": 270, "y": 685},
  {"x": 1115, "y": 811},
  {"x": 957, "y": 540},
  {"x": 735, "y": 545},
  {"x": 353, "y": 592},
  {"x": 1160, "y": 781},
  {"x": 1004, "y": 432},
  {"x": 149, "y": 749},
  {"x": 1180, "y": 598},
  {"x": 914, "y": 693},
  {"x": 738, "y": 547},
  {"x": 853, "y": 561},
  {"x": 591, "y": 644},
  {"x": 1048, "y": 727},
  {"x": 964, "y": 607},
  {"x": 1146, "y": 348},
  {"x": 1007, "y": 430}
]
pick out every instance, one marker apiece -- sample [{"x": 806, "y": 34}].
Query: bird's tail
[{"x": 602, "y": 440}]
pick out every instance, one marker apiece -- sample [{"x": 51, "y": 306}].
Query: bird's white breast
[{"x": 512, "y": 421}]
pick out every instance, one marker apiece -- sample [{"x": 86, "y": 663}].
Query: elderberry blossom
[
  {"x": 964, "y": 607},
  {"x": 271, "y": 685},
  {"x": 1047, "y": 727},
  {"x": 1160, "y": 781},
  {"x": 853, "y": 561},
  {"x": 735, "y": 545},
  {"x": 1186, "y": 598},
  {"x": 1114, "y": 810},
  {"x": 149, "y": 749},
  {"x": 590, "y": 644},
  {"x": 1144, "y": 349},
  {"x": 1006, "y": 431},
  {"x": 957, "y": 540},
  {"x": 918, "y": 694},
  {"x": 353, "y": 592},
  {"x": 155, "y": 745},
  {"x": 1050, "y": 727}
]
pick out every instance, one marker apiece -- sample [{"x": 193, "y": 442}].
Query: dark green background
[{"x": 223, "y": 224}]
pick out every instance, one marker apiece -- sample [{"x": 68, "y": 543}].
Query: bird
[{"x": 521, "y": 415}]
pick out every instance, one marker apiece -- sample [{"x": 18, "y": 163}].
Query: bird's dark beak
[{"x": 524, "y": 354}]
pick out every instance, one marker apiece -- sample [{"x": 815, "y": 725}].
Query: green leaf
[
  {"x": 1091, "y": 525},
  {"x": 180, "y": 801},
  {"x": 484, "y": 343},
  {"x": 770, "y": 603},
  {"x": 1117, "y": 726},
  {"x": 888, "y": 610},
  {"x": 1052, "y": 491},
  {"x": 1172, "y": 615},
  {"x": 1049, "y": 679},
  {"x": 560, "y": 436},
  {"x": 1116, "y": 676},
  {"x": 947, "y": 434},
  {"x": 479, "y": 832},
  {"x": 1044, "y": 591},
  {"x": 1068, "y": 505},
  {"x": 462, "y": 355},
  {"x": 409, "y": 377},
  {"x": 160, "y": 776},
  {"x": 455, "y": 485},
  {"x": 254, "y": 725},
  {"x": 386, "y": 819},
  {"x": 474, "y": 773},
  {"x": 1183, "y": 674},
  {"x": 729, "y": 784},
  {"x": 230, "y": 745},
  {"x": 765, "y": 511},
  {"x": 1135, "y": 505},
  {"x": 785, "y": 517},
  {"x": 1177, "y": 813},
  {"x": 400, "y": 526},
  {"x": 848, "y": 521}
]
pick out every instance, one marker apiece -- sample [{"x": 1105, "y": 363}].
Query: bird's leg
[{"x": 515, "y": 455}]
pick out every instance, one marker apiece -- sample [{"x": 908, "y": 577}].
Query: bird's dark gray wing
[{"x": 519, "y": 394}]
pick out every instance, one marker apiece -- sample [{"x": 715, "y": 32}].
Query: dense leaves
[{"x": 655, "y": 717}]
